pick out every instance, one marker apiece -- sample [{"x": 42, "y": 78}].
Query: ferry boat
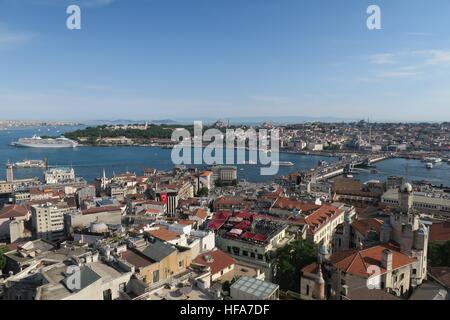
[
  {"x": 283, "y": 163},
  {"x": 38, "y": 142},
  {"x": 432, "y": 160},
  {"x": 25, "y": 164}
]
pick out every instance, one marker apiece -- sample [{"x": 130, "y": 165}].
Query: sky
[{"x": 183, "y": 59}]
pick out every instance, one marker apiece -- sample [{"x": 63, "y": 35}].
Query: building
[
  {"x": 41, "y": 251},
  {"x": 433, "y": 201},
  {"x": 97, "y": 281},
  {"x": 80, "y": 219},
  {"x": 224, "y": 174},
  {"x": 205, "y": 180},
  {"x": 251, "y": 243},
  {"x": 9, "y": 216},
  {"x": 405, "y": 228},
  {"x": 396, "y": 263},
  {"x": 48, "y": 220},
  {"x": 247, "y": 288},
  {"x": 216, "y": 262},
  {"x": 59, "y": 175},
  {"x": 381, "y": 267},
  {"x": 156, "y": 263}
]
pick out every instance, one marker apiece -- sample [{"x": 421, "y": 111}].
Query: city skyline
[{"x": 228, "y": 59}]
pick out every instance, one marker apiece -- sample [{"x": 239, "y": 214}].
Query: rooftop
[{"x": 257, "y": 288}]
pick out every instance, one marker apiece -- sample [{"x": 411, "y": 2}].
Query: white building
[
  {"x": 59, "y": 175},
  {"x": 48, "y": 220}
]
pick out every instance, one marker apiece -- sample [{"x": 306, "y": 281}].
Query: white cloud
[
  {"x": 435, "y": 57},
  {"x": 384, "y": 58},
  {"x": 10, "y": 38},
  {"x": 409, "y": 63},
  {"x": 396, "y": 74}
]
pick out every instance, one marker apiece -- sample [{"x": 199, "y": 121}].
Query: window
[
  {"x": 307, "y": 289},
  {"x": 414, "y": 272},
  {"x": 252, "y": 254},
  {"x": 245, "y": 253},
  {"x": 156, "y": 276},
  {"x": 402, "y": 276},
  {"x": 260, "y": 257},
  {"x": 107, "y": 295}
]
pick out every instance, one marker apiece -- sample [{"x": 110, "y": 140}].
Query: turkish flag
[{"x": 163, "y": 197}]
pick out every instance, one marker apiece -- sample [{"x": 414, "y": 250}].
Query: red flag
[{"x": 163, "y": 197}]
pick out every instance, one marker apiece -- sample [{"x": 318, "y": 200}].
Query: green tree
[
  {"x": 289, "y": 260},
  {"x": 3, "y": 250},
  {"x": 439, "y": 254},
  {"x": 203, "y": 192}
]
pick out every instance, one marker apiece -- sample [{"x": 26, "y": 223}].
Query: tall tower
[
  {"x": 410, "y": 233},
  {"x": 9, "y": 172},
  {"x": 405, "y": 197}
]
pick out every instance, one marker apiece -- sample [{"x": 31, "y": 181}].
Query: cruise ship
[{"x": 38, "y": 142}]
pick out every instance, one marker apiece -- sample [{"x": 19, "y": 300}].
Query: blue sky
[{"x": 159, "y": 59}]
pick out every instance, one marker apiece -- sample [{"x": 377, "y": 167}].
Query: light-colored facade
[
  {"x": 59, "y": 175},
  {"x": 425, "y": 201},
  {"x": 48, "y": 220}
]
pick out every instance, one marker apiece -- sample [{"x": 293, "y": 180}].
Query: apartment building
[{"x": 48, "y": 220}]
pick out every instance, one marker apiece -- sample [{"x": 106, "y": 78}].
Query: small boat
[
  {"x": 283, "y": 163},
  {"x": 429, "y": 165}
]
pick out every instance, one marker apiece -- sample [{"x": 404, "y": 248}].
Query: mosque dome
[
  {"x": 407, "y": 187},
  {"x": 99, "y": 228}
]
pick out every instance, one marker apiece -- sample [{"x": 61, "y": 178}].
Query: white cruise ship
[{"x": 38, "y": 142}]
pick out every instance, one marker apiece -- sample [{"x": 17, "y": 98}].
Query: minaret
[
  {"x": 104, "y": 180},
  {"x": 319, "y": 293},
  {"x": 405, "y": 197}
]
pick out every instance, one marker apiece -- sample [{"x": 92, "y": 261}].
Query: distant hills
[{"x": 231, "y": 120}]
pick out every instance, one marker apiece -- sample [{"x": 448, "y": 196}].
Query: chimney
[{"x": 386, "y": 259}]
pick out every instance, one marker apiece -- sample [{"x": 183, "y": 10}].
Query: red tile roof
[
  {"x": 186, "y": 222},
  {"x": 163, "y": 234},
  {"x": 219, "y": 260},
  {"x": 440, "y": 231},
  {"x": 442, "y": 274},
  {"x": 216, "y": 224},
  {"x": 319, "y": 217},
  {"x": 136, "y": 259},
  {"x": 366, "y": 225},
  {"x": 288, "y": 204},
  {"x": 201, "y": 213},
  {"x": 229, "y": 201},
  {"x": 357, "y": 262},
  {"x": 222, "y": 215},
  {"x": 312, "y": 268},
  {"x": 13, "y": 211},
  {"x": 100, "y": 209},
  {"x": 205, "y": 174}
]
